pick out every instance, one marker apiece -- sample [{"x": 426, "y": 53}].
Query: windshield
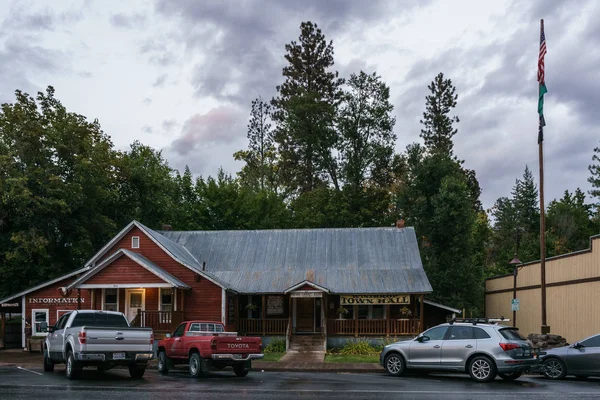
[
  {"x": 512, "y": 334},
  {"x": 100, "y": 319}
]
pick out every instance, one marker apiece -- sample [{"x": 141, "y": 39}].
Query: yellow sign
[{"x": 374, "y": 299}]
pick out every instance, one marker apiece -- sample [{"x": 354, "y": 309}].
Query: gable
[{"x": 123, "y": 270}]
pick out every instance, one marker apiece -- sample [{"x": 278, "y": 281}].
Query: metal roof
[{"x": 348, "y": 260}]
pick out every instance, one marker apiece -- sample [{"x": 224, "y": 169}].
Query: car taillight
[
  {"x": 152, "y": 338},
  {"x": 509, "y": 346},
  {"x": 82, "y": 337},
  {"x": 213, "y": 344}
]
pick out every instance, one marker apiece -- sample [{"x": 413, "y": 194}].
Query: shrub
[
  {"x": 275, "y": 346},
  {"x": 358, "y": 347}
]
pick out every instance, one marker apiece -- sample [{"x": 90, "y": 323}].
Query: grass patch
[
  {"x": 272, "y": 356},
  {"x": 352, "y": 358}
]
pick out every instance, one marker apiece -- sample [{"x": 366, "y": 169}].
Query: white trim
[
  {"x": 133, "y": 239},
  {"x": 305, "y": 282},
  {"x": 104, "y": 298},
  {"x": 110, "y": 244},
  {"x": 223, "y": 308},
  {"x": 41, "y": 286},
  {"x": 123, "y": 285},
  {"x": 33, "y": 311},
  {"x": 127, "y": 300},
  {"x": 160, "y": 299},
  {"x": 175, "y": 300},
  {"x": 23, "y": 316}
]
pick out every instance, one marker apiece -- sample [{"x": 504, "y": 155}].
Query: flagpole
[{"x": 545, "y": 328}]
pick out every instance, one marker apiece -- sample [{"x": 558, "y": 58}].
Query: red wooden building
[{"x": 327, "y": 282}]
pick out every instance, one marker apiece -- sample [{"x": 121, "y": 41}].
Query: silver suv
[{"x": 479, "y": 347}]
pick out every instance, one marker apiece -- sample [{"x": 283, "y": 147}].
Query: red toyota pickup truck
[{"x": 205, "y": 346}]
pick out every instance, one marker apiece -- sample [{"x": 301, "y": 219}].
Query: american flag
[{"x": 541, "y": 77}]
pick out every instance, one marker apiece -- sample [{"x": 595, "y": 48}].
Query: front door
[
  {"x": 134, "y": 302},
  {"x": 305, "y": 315}
]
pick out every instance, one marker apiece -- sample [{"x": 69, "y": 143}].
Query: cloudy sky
[{"x": 180, "y": 75}]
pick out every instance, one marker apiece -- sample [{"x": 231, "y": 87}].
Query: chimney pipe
[
  {"x": 203, "y": 265},
  {"x": 400, "y": 223}
]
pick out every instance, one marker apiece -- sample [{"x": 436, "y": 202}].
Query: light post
[{"x": 515, "y": 262}]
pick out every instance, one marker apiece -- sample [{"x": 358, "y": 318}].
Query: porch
[{"x": 161, "y": 322}]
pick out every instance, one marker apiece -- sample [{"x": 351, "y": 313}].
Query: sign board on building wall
[
  {"x": 10, "y": 307},
  {"x": 55, "y": 300},
  {"x": 307, "y": 293},
  {"x": 274, "y": 305},
  {"x": 374, "y": 299}
]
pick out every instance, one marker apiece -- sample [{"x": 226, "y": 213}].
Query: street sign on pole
[{"x": 514, "y": 304}]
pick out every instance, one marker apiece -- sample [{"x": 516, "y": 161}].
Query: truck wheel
[
  {"x": 73, "y": 369},
  {"x": 136, "y": 371},
  {"x": 196, "y": 367},
  {"x": 240, "y": 370},
  {"x": 48, "y": 363},
  {"x": 163, "y": 368}
]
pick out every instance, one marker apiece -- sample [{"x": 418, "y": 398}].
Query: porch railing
[
  {"x": 378, "y": 327},
  {"x": 159, "y": 321},
  {"x": 262, "y": 326}
]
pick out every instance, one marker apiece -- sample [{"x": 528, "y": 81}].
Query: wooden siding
[
  {"x": 151, "y": 299},
  {"x": 569, "y": 304},
  {"x": 203, "y": 301},
  {"x": 124, "y": 270},
  {"x": 53, "y": 292}
]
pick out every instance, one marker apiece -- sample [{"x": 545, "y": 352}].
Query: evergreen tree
[
  {"x": 594, "y": 179},
  {"x": 305, "y": 111},
  {"x": 260, "y": 158},
  {"x": 438, "y": 125}
]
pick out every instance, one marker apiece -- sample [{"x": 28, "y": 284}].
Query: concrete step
[{"x": 304, "y": 357}]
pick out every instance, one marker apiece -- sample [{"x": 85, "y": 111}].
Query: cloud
[
  {"x": 160, "y": 80},
  {"x": 221, "y": 125},
  {"x": 147, "y": 101},
  {"x": 147, "y": 129},
  {"x": 169, "y": 124},
  {"x": 121, "y": 20}
]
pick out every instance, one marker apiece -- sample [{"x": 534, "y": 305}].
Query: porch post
[
  {"x": 79, "y": 299},
  {"x": 422, "y": 305},
  {"x": 2, "y": 330},
  {"x": 355, "y": 310},
  {"x": 290, "y": 315},
  {"x": 387, "y": 320},
  {"x": 236, "y": 303},
  {"x": 264, "y": 309}
]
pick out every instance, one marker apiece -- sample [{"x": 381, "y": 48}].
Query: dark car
[{"x": 581, "y": 359}]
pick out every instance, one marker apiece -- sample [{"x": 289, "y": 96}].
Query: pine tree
[
  {"x": 594, "y": 179},
  {"x": 438, "y": 124},
  {"x": 305, "y": 111}
]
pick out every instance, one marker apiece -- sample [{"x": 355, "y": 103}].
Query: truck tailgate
[
  {"x": 238, "y": 345},
  {"x": 117, "y": 339}
]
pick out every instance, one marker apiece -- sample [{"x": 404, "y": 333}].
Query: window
[
  {"x": 135, "y": 242},
  {"x": 206, "y": 328},
  {"x": 481, "y": 334},
  {"x": 111, "y": 300},
  {"x": 39, "y": 322},
  {"x": 461, "y": 333},
  {"x": 511, "y": 334},
  {"x": 363, "y": 312},
  {"x": 436, "y": 333},
  {"x": 60, "y": 324},
  {"x": 179, "y": 331},
  {"x": 166, "y": 300},
  {"x": 594, "y": 341},
  {"x": 99, "y": 319},
  {"x": 378, "y": 312}
]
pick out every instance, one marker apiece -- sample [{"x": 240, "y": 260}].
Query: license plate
[
  {"x": 118, "y": 356},
  {"x": 237, "y": 356}
]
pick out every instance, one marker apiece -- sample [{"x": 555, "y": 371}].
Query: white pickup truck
[{"x": 97, "y": 338}]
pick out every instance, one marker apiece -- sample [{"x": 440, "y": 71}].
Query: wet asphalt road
[{"x": 16, "y": 383}]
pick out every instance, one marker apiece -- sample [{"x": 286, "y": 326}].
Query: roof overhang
[
  {"x": 438, "y": 305},
  {"x": 304, "y": 283},
  {"x": 170, "y": 280}
]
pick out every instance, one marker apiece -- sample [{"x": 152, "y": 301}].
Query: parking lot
[{"x": 19, "y": 382}]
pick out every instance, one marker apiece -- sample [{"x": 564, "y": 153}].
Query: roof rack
[{"x": 476, "y": 321}]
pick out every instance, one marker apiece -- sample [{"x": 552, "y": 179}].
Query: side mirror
[
  {"x": 51, "y": 329},
  {"x": 577, "y": 345},
  {"x": 168, "y": 335},
  {"x": 422, "y": 339}
]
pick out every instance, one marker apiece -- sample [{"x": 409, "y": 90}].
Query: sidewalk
[{"x": 18, "y": 357}]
